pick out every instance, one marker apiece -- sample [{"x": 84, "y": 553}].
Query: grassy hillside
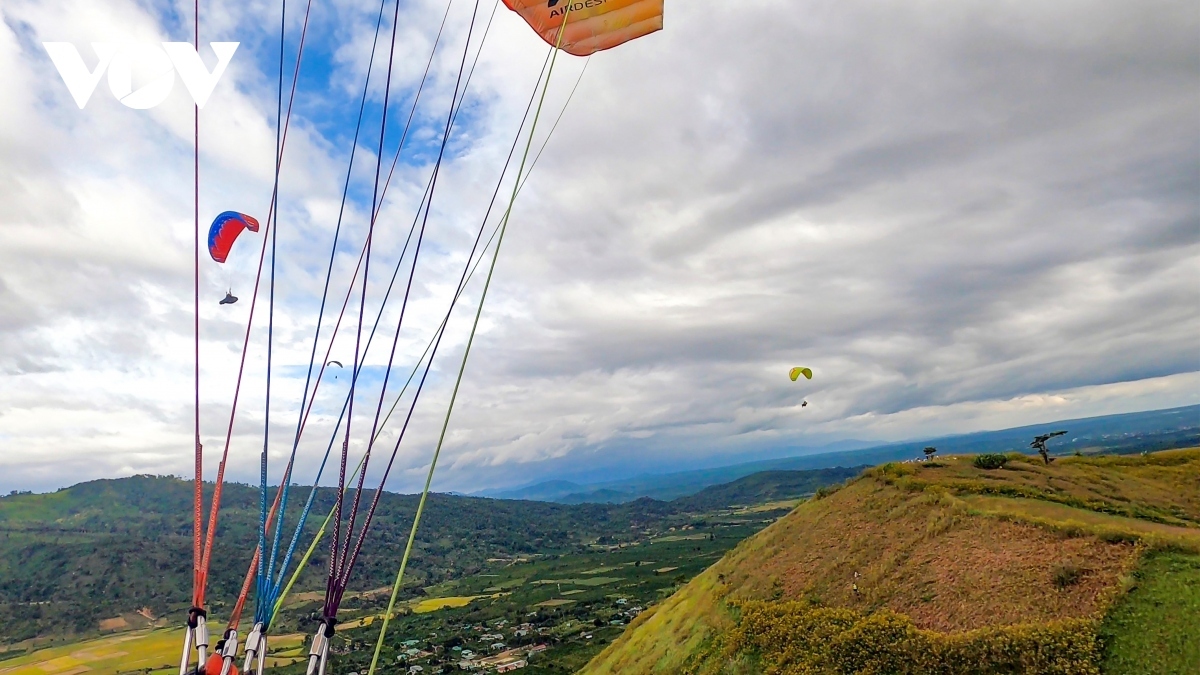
[{"x": 946, "y": 567}]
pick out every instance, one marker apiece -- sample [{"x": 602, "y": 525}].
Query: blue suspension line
[
  {"x": 269, "y": 593},
  {"x": 262, "y": 496},
  {"x": 263, "y": 609}
]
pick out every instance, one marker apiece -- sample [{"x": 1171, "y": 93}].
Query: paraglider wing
[
  {"x": 795, "y": 373},
  {"x": 591, "y": 26},
  {"x": 225, "y": 230},
  {"x": 332, "y": 363}
]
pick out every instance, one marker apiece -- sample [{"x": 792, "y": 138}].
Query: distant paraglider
[
  {"x": 224, "y": 232},
  {"x": 229, "y": 298},
  {"x": 795, "y": 373},
  {"x": 334, "y": 363}
]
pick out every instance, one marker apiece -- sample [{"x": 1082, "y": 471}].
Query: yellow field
[
  {"x": 434, "y": 604},
  {"x": 156, "y": 651}
]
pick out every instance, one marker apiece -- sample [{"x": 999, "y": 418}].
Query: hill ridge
[{"x": 932, "y": 551}]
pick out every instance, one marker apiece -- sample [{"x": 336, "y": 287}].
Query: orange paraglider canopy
[{"x": 592, "y": 25}]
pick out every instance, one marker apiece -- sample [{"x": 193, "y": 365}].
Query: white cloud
[{"x": 961, "y": 215}]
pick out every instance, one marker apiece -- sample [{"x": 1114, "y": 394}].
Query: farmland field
[
  {"x": 434, "y": 604},
  {"x": 152, "y": 651},
  {"x": 574, "y": 604}
]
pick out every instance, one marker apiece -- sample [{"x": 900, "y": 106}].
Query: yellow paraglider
[
  {"x": 592, "y": 25},
  {"x": 797, "y": 372}
]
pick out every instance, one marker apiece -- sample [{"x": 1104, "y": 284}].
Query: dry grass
[
  {"x": 925, "y": 556},
  {"x": 953, "y": 547},
  {"x": 1162, "y": 487},
  {"x": 1074, "y": 521}
]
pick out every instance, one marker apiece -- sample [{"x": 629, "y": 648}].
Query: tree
[
  {"x": 1039, "y": 444},
  {"x": 929, "y": 452}
]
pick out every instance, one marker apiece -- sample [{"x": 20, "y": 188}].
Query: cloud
[{"x": 960, "y": 215}]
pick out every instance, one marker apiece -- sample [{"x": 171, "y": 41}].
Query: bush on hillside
[
  {"x": 794, "y": 638},
  {"x": 1067, "y": 575},
  {"x": 990, "y": 461}
]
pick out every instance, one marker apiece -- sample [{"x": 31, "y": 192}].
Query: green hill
[
  {"x": 765, "y": 486},
  {"x": 1086, "y": 565},
  {"x": 107, "y": 550}
]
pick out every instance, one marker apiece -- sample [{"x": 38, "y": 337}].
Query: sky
[{"x": 962, "y": 215}]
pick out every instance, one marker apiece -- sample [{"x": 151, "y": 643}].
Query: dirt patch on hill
[{"x": 115, "y": 623}]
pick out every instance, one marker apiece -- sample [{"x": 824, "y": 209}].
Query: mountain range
[{"x": 1129, "y": 432}]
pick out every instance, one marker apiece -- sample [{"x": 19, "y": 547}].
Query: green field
[{"x": 1155, "y": 628}]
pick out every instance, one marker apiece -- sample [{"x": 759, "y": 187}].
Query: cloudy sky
[{"x": 961, "y": 214}]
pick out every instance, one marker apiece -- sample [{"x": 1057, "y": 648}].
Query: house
[{"x": 509, "y": 667}]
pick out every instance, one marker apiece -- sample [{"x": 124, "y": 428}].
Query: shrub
[
  {"x": 990, "y": 461},
  {"x": 792, "y": 637},
  {"x": 1067, "y": 575},
  {"x": 826, "y": 490}
]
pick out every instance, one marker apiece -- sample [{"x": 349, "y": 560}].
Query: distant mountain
[
  {"x": 602, "y": 496},
  {"x": 549, "y": 491},
  {"x": 765, "y": 487},
  {"x": 1130, "y": 432}
]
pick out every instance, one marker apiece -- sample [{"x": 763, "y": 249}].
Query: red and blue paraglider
[{"x": 225, "y": 230}]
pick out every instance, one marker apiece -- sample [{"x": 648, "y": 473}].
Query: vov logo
[{"x": 121, "y": 61}]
